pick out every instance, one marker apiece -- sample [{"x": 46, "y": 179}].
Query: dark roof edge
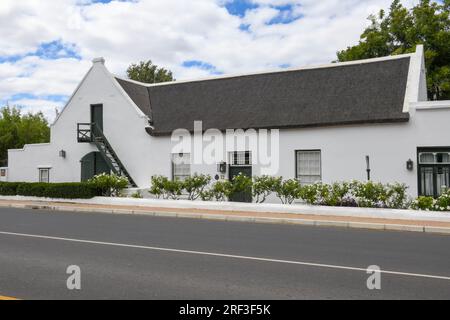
[
  {"x": 327, "y": 125},
  {"x": 304, "y": 68}
]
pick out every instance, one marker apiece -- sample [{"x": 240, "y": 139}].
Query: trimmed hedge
[{"x": 49, "y": 190}]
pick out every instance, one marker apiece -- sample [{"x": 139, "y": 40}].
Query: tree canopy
[
  {"x": 17, "y": 130},
  {"x": 147, "y": 72},
  {"x": 401, "y": 30}
]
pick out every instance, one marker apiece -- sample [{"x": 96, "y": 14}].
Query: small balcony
[{"x": 84, "y": 132}]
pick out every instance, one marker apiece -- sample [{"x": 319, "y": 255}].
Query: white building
[{"x": 332, "y": 119}]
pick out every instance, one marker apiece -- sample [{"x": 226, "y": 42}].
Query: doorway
[
  {"x": 92, "y": 165},
  {"x": 241, "y": 163},
  {"x": 97, "y": 115}
]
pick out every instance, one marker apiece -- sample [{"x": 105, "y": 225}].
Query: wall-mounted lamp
[
  {"x": 222, "y": 167},
  {"x": 410, "y": 165},
  {"x": 368, "y": 167},
  {"x": 62, "y": 154}
]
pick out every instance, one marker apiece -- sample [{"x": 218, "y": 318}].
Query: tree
[
  {"x": 401, "y": 30},
  {"x": 17, "y": 130},
  {"x": 147, "y": 72}
]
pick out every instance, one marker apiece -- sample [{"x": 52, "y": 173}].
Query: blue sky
[{"x": 44, "y": 55}]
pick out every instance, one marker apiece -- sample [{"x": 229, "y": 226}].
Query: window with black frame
[
  {"x": 434, "y": 171},
  {"x": 309, "y": 166}
]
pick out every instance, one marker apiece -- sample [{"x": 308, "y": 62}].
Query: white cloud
[{"x": 169, "y": 32}]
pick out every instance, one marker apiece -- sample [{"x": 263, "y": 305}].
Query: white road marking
[{"x": 308, "y": 264}]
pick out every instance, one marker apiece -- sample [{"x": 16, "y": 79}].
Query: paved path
[{"x": 144, "y": 257}]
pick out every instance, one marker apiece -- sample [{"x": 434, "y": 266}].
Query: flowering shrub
[
  {"x": 264, "y": 186},
  {"x": 340, "y": 194},
  {"x": 288, "y": 191},
  {"x": 109, "y": 185},
  {"x": 219, "y": 191},
  {"x": 443, "y": 202},
  {"x": 423, "y": 203},
  {"x": 165, "y": 188},
  {"x": 196, "y": 185}
]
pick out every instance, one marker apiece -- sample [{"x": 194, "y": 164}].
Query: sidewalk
[{"x": 427, "y": 226}]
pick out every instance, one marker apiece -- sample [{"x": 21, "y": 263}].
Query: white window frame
[
  {"x": 41, "y": 170},
  {"x": 175, "y": 175},
  {"x": 311, "y": 178}
]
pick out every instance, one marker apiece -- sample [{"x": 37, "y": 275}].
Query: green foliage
[
  {"x": 137, "y": 195},
  {"x": 109, "y": 185},
  {"x": 9, "y": 188},
  {"x": 309, "y": 194},
  {"x": 423, "y": 203},
  {"x": 17, "y": 130},
  {"x": 430, "y": 204},
  {"x": 195, "y": 186},
  {"x": 265, "y": 186},
  {"x": 165, "y": 188},
  {"x": 369, "y": 194},
  {"x": 289, "y": 190},
  {"x": 242, "y": 183},
  {"x": 49, "y": 190},
  {"x": 147, "y": 72},
  {"x": 219, "y": 191},
  {"x": 356, "y": 194},
  {"x": 397, "y": 197},
  {"x": 401, "y": 30}
]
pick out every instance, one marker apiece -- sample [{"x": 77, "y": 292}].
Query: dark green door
[
  {"x": 97, "y": 115},
  {"x": 241, "y": 196},
  {"x": 93, "y": 164}
]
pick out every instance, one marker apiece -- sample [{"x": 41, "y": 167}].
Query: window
[
  {"x": 44, "y": 175},
  {"x": 241, "y": 158},
  {"x": 309, "y": 166},
  {"x": 433, "y": 171},
  {"x": 181, "y": 166}
]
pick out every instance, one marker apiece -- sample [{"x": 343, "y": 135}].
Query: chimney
[{"x": 98, "y": 60}]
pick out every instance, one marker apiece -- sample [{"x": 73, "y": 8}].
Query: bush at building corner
[{"x": 109, "y": 185}]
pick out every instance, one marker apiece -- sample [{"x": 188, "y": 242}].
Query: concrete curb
[
  {"x": 297, "y": 209},
  {"x": 231, "y": 218}
]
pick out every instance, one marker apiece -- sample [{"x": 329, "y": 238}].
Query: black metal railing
[
  {"x": 84, "y": 131},
  {"x": 91, "y": 133}
]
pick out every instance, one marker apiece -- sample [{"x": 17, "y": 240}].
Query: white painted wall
[{"x": 343, "y": 148}]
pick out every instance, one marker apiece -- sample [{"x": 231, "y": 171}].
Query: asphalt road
[{"x": 140, "y": 257}]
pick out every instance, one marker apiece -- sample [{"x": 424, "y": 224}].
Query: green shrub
[
  {"x": 309, "y": 194},
  {"x": 264, "y": 186},
  {"x": 219, "y": 191},
  {"x": 397, "y": 196},
  {"x": 288, "y": 190},
  {"x": 9, "y": 188},
  {"x": 443, "y": 202},
  {"x": 157, "y": 186},
  {"x": 423, "y": 203},
  {"x": 109, "y": 185},
  {"x": 242, "y": 183},
  {"x": 137, "y": 195},
  {"x": 195, "y": 186},
  {"x": 49, "y": 190},
  {"x": 165, "y": 188},
  {"x": 370, "y": 194}
]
